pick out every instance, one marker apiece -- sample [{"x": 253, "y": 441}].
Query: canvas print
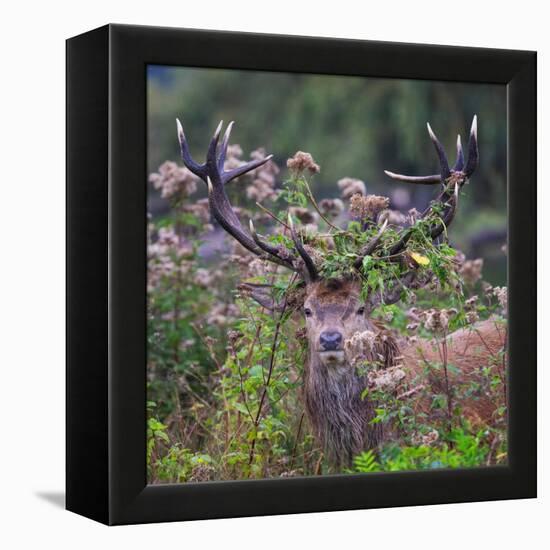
[{"x": 327, "y": 284}]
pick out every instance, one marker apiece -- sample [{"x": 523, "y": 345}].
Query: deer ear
[{"x": 263, "y": 294}]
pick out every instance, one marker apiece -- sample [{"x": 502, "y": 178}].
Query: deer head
[{"x": 334, "y": 309}]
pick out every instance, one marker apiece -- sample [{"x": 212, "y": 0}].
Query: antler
[
  {"x": 457, "y": 171},
  {"x": 213, "y": 174},
  {"x": 452, "y": 179}
]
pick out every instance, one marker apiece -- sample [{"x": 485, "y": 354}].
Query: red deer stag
[{"x": 334, "y": 311}]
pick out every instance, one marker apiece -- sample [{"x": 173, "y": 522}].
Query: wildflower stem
[
  {"x": 445, "y": 356},
  {"x": 296, "y": 442},
  {"x": 274, "y": 346},
  {"x": 269, "y": 213},
  {"x": 316, "y": 206}
]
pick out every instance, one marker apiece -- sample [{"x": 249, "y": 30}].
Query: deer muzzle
[{"x": 330, "y": 340}]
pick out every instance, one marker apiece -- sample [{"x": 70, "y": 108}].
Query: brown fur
[
  {"x": 469, "y": 349},
  {"x": 336, "y": 412}
]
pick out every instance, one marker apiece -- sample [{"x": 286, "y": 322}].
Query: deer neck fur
[{"x": 338, "y": 412}]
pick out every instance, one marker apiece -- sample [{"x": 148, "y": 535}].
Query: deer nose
[{"x": 330, "y": 340}]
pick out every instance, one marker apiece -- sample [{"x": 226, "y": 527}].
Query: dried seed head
[
  {"x": 437, "y": 320},
  {"x": 331, "y": 207},
  {"x": 487, "y": 287},
  {"x": 301, "y": 162},
  {"x": 430, "y": 438},
  {"x": 351, "y": 186},
  {"x": 199, "y": 209},
  {"x": 259, "y": 268},
  {"x": 472, "y": 317},
  {"x": 387, "y": 380},
  {"x": 203, "y": 278},
  {"x": 234, "y": 335},
  {"x": 304, "y": 215},
  {"x": 393, "y": 217},
  {"x": 471, "y": 271},
  {"x": 368, "y": 207},
  {"x": 501, "y": 294},
  {"x": 173, "y": 180}
]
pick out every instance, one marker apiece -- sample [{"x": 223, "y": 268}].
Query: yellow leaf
[{"x": 419, "y": 259}]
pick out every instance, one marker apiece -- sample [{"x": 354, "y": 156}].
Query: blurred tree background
[{"x": 354, "y": 127}]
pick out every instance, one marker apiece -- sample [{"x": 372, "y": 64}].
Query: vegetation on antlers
[{"x": 388, "y": 260}]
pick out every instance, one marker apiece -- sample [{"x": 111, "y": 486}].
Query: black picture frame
[{"x": 106, "y": 273}]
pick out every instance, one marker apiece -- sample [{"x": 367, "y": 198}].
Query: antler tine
[
  {"x": 211, "y": 172},
  {"x": 226, "y": 177},
  {"x": 270, "y": 249},
  {"x": 473, "y": 151},
  {"x": 371, "y": 246},
  {"x": 458, "y": 168},
  {"x": 195, "y": 167},
  {"x": 225, "y": 143},
  {"x": 434, "y": 178},
  {"x": 459, "y": 164},
  {"x": 240, "y": 170},
  {"x": 211, "y": 162},
  {"x": 445, "y": 172},
  {"x": 311, "y": 271},
  {"x": 213, "y": 167}
]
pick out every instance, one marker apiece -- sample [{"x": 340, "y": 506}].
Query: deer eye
[
  {"x": 361, "y": 310},
  {"x": 307, "y": 312}
]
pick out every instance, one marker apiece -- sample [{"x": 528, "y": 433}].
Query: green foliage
[
  {"x": 381, "y": 268},
  {"x": 462, "y": 450},
  {"x": 252, "y": 432}
]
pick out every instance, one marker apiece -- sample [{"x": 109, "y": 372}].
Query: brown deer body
[{"x": 333, "y": 387}]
